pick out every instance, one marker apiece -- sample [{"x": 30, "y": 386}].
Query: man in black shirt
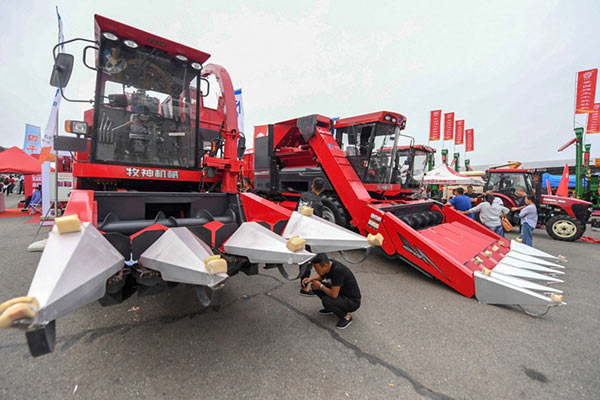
[
  {"x": 312, "y": 199},
  {"x": 342, "y": 296}
]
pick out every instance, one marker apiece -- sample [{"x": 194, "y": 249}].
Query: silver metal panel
[
  {"x": 523, "y": 283},
  {"x": 260, "y": 245},
  {"x": 323, "y": 236},
  {"x": 523, "y": 273},
  {"x": 179, "y": 257},
  {"x": 528, "y": 250},
  {"x": 534, "y": 267},
  {"x": 490, "y": 290},
  {"x": 72, "y": 272},
  {"x": 531, "y": 259}
]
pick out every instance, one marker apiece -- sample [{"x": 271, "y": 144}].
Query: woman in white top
[{"x": 490, "y": 214}]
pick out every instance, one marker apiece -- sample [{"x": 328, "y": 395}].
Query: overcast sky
[{"x": 507, "y": 67}]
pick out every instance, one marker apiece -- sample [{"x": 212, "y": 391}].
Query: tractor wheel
[
  {"x": 333, "y": 210},
  {"x": 565, "y": 228}
]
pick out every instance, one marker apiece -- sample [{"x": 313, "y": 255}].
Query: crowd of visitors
[
  {"x": 8, "y": 183},
  {"x": 15, "y": 184},
  {"x": 492, "y": 210}
]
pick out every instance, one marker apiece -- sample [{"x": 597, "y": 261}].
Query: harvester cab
[
  {"x": 564, "y": 218},
  {"x": 156, "y": 200},
  {"x": 372, "y": 145}
]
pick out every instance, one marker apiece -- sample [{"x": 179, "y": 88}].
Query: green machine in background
[{"x": 456, "y": 162}]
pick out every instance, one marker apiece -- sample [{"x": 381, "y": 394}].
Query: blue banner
[{"x": 32, "y": 139}]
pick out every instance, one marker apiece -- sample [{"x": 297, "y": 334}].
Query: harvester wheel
[
  {"x": 334, "y": 211},
  {"x": 565, "y": 228}
]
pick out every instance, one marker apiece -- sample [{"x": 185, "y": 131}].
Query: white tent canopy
[{"x": 443, "y": 175}]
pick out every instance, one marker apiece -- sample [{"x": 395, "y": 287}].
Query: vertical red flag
[
  {"x": 586, "y": 91},
  {"x": 459, "y": 135},
  {"x": 434, "y": 125},
  {"x": 593, "y": 125},
  {"x": 469, "y": 140},
  {"x": 449, "y": 126}
]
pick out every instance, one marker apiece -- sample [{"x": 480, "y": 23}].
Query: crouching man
[{"x": 342, "y": 296}]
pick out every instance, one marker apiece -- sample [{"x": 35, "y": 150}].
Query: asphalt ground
[{"x": 413, "y": 337}]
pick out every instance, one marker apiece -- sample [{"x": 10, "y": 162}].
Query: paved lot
[{"x": 412, "y": 338}]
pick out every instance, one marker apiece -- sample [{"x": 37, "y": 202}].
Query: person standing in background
[
  {"x": 461, "y": 202},
  {"x": 529, "y": 218},
  {"x": 22, "y": 184},
  {"x": 490, "y": 214}
]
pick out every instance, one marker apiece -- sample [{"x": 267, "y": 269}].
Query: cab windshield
[
  {"x": 507, "y": 183},
  {"x": 368, "y": 148},
  {"x": 145, "y": 107}
]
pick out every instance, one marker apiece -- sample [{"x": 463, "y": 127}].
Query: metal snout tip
[
  {"x": 18, "y": 309},
  {"x": 557, "y": 298},
  {"x": 375, "y": 240}
]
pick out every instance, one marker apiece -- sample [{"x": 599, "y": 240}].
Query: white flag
[
  {"x": 50, "y": 129},
  {"x": 239, "y": 105}
]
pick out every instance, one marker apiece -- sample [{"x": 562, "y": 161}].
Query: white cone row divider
[{"x": 520, "y": 278}]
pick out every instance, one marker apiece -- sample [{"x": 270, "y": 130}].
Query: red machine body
[
  {"x": 436, "y": 240},
  {"x": 157, "y": 157}
]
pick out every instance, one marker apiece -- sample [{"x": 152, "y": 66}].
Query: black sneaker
[
  {"x": 308, "y": 292},
  {"x": 343, "y": 323},
  {"x": 323, "y": 311}
]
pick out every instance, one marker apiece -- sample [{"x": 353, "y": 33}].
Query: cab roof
[
  {"x": 378, "y": 116},
  {"x": 145, "y": 39}
]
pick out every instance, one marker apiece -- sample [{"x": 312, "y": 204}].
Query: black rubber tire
[
  {"x": 333, "y": 207},
  {"x": 571, "y": 229}
]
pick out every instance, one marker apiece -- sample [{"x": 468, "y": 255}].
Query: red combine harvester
[
  {"x": 565, "y": 218},
  {"x": 156, "y": 201},
  {"x": 385, "y": 172},
  {"x": 368, "y": 187}
]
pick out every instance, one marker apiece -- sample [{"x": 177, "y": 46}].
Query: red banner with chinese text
[
  {"x": 434, "y": 125},
  {"x": 469, "y": 140},
  {"x": 459, "y": 135},
  {"x": 449, "y": 126},
  {"x": 593, "y": 125},
  {"x": 586, "y": 91}
]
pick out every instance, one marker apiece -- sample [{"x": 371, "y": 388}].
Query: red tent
[{"x": 16, "y": 161}]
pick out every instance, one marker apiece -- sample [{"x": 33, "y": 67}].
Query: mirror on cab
[{"x": 61, "y": 72}]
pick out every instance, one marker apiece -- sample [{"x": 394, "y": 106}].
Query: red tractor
[
  {"x": 369, "y": 182},
  {"x": 156, "y": 203},
  {"x": 564, "y": 218}
]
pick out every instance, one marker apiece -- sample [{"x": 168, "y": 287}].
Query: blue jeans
[
  {"x": 497, "y": 229},
  {"x": 527, "y": 234}
]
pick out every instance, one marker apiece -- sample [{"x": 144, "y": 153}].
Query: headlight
[
  {"x": 78, "y": 127},
  {"x": 196, "y": 66},
  {"x": 394, "y": 120},
  {"x": 130, "y": 43},
  {"x": 387, "y": 117},
  {"x": 110, "y": 36},
  {"x": 181, "y": 58}
]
